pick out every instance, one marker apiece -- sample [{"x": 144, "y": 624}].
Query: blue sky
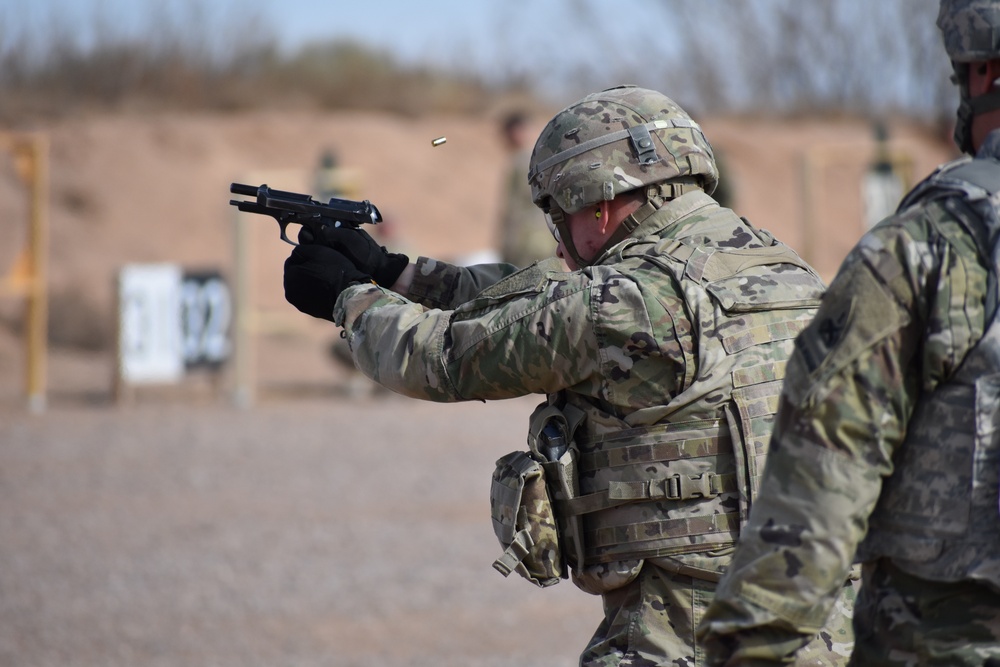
[
  {"x": 492, "y": 37},
  {"x": 556, "y": 44},
  {"x": 407, "y": 26}
]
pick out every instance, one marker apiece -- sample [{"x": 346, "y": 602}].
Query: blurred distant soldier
[
  {"x": 887, "y": 443},
  {"x": 328, "y": 179},
  {"x": 725, "y": 194},
  {"x": 523, "y": 239},
  {"x": 661, "y": 353},
  {"x": 882, "y": 186}
]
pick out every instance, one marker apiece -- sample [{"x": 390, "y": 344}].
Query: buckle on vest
[{"x": 686, "y": 487}]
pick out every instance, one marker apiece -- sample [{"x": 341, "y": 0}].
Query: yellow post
[{"x": 29, "y": 276}]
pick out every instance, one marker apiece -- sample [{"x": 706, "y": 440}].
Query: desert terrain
[{"x": 325, "y": 523}]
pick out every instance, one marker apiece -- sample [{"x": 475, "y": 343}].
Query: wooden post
[
  {"x": 243, "y": 349},
  {"x": 38, "y": 311}
]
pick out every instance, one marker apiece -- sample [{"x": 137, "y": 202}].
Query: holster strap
[{"x": 514, "y": 554}]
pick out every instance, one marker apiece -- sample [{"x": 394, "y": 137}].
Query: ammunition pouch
[
  {"x": 539, "y": 544},
  {"x": 524, "y": 522}
]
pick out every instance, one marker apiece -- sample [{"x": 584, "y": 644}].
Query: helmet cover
[
  {"x": 971, "y": 33},
  {"x": 614, "y": 141}
]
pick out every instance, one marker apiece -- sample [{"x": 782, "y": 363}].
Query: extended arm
[{"x": 489, "y": 348}]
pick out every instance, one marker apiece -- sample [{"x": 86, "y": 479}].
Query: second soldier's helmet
[
  {"x": 614, "y": 141},
  {"x": 971, "y": 33},
  {"x": 970, "y": 29}
]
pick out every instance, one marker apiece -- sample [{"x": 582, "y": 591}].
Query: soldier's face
[{"x": 589, "y": 233}]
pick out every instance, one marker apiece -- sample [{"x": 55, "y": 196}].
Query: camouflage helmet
[
  {"x": 614, "y": 141},
  {"x": 971, "y": 29},
  {"x": 971, "y": 33}
]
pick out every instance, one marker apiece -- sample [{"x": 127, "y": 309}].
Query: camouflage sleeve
[
  {"x": 897, "y": 320},
  {"x": 536, "y": 335},
  {"x": 437, "y": 284}
]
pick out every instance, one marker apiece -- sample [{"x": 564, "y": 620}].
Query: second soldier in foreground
[
  {"x": 887, "y": 446},
  {"x": 661, "y": 354}
]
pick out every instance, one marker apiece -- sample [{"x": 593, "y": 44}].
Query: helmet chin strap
[
  {"x": 567, "y": 241},
  {"x": 657, "y": 195},
  {"x": 558, "y": 218},
  {"x": 969, "y": 107}
]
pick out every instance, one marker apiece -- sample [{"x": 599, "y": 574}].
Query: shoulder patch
[{"x": 857, "y": 312}]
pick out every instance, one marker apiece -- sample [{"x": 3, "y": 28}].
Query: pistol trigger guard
[{"x": 283, "y": 225}]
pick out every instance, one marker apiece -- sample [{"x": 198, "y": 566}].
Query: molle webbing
[
  {"x": 652, "y": 533},
  {"x": 755, "y": 402},
  {"x": 675, "y": 487},
  {"x": 765, "y": 333},
  {"x": 677, "y": 447},
  {"x": 687, "y": 458},
  {"x": 769, "y": 372},
  {"x": 695, "y": 463}
]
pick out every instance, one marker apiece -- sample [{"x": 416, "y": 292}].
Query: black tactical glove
[
  {"x": 361, "y": 249},
  {"x": 315, "y": 276}
]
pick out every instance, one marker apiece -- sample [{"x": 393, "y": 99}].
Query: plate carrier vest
[{"x": 679, "y": 478}]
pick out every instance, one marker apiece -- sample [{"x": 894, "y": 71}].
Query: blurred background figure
[
  {"x": 331, "y": 180},
  {"x": 724, "y": 191},
  {"x": 884, "y": 182},
  {"x": 523, "y": 237}
]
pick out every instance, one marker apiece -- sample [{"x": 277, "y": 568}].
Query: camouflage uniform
[
  {"x": 886, "y": 445},
  {"x": 670, "y": 346}
]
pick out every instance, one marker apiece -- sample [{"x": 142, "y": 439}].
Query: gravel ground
[{"x": 316, "y": 531}]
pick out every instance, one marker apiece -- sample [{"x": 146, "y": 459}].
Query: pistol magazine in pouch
[
  {"x": 527, "y": 486},
  {"x": 550, "y": 437}
]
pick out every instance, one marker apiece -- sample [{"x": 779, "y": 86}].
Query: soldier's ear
[
  {"x": 983, "y": 77},
  {"x": 603, "y": 219}
]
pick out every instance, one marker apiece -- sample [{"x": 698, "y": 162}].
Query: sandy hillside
[{"x": 155, "y": 189}]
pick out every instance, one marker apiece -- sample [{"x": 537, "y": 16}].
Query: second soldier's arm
[{"x": 896, "y": 321}]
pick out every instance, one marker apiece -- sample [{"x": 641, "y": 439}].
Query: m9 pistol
[{"x": 302, "y": 211}]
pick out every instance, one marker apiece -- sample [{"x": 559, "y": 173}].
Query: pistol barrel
[{"x": 243, "y": 189}]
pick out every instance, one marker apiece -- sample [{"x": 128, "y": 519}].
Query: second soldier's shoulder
[
  {"x": 990, "y": 147},
  {"x": 928, "y": 231}
]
